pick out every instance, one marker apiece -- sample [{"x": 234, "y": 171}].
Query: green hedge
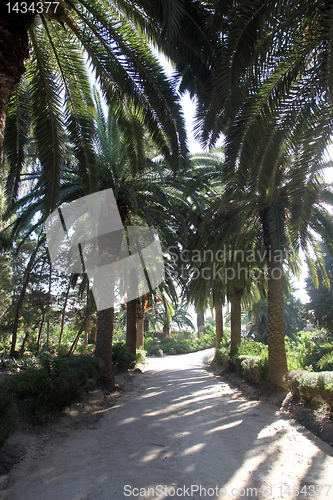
[
  {"x": 54, "y": 384},
  {"x": 186, "y": 346},
  {"x": 311, "y": 386},
  {"x": 254, "y": 368}
]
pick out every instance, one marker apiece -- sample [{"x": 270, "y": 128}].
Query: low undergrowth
[
  {"x": 50, "y": 387},
  {"x": 314, "y": 387},
  {"x": 306, "y": 360},
  {"x": 184, "y": 346}
]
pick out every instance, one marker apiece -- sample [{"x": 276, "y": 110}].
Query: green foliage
[
  {"x": 206, "y": 341},
  {"x": 140, "y": 355},
  {"x": 251, "y": 360},
  {"x": 312, "y": 387},
  {"x": 250, "y": 348},
  {"x": 209, "y": 329},
  {"x": 327, "y": 359},
  {"x": 307, "y": 352},
  {"x": 293, "y": 318},
  {"x": 53, "y": 385},
  {"x": 62, "y": 350},
  {"x": 254, "y": 368},
  {"x": 320, "y": 307},
  {"x": 122, "y": 359},
  {"x": 5, "y": 284},
  {"x": 16, "y": 365}
]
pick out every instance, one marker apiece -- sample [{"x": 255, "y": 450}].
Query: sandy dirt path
[{"x": 183, "y": 433}]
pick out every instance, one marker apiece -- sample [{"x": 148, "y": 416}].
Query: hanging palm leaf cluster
[{"x": 53, "y": 97}]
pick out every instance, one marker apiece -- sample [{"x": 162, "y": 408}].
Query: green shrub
[
  {"x": 56, "y": 383},
  {"x": 254, "y": 368},
  {"x": 311, "y": 386},
  {"x": 63, "y": 350},
  {"x": 209, "y": 329},
  {"x": 307, "y": 352},
  {"x": 140, "y": 355},
  {"x": 222, "y": 356},
  {"x": 206, "y": 341},
  {"x": 122, "y": 359},
  {"x": 252, "y": 348}
]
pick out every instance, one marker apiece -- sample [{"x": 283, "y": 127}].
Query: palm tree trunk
[
  {"x": 277, "y": 358},
  {"x": 218, "y": 324},
  {"x": 13, "y": 52},
  {"x": 236, "y": 323},
  {"x": 146, "y": 325},
  {"x": 104, "y": 342},
  {"x": 166, "y": 330},
  {"x": 140, "y": 315},
  {"x": 131, "y": 332},
  {"x": 200, "y": 322}
]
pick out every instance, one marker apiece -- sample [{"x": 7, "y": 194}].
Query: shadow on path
[{"x": 184, "y": 434}]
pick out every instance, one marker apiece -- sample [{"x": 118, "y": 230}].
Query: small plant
[
  {"x": 254, "y": 368},
  {"x": 122, "y": 359}
]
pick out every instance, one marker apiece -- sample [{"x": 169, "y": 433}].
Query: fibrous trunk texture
[
  {"x": 236, "y": 323},
  {"x": 131, "y": 326},
  {"x": 275, "y": 332},
  {"x": 104, "y": 342},
  {"x": 218, "y": 324},
  {"x": 140, "y": 315},
  {"x": 200, "y": 321}
]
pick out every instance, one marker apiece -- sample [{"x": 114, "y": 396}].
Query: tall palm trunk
[
  {"x": 218, "y": 324},
  {"x": 277, "y": 358},
  {"x": 236, "y": 323},
  {"x": 131, "y": 332},
  {"x": 13, "y": 52},
  {"x": 104, "y": 342},
  {"x": 200, "y": 321},
  {"x": 140, "y": 315}
]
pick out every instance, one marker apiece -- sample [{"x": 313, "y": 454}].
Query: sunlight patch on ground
[
  {"x": 224, "y": 427},
  {"x": 193, "y": 449},
  {"x": 128, "y": 420}
]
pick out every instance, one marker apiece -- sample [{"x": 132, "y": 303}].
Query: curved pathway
[{"x": 183, "y": 433}]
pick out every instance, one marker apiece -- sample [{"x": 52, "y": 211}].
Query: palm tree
[
  {"x": 222, "y": 241},
  {"x": 276, "y": 178},
  {"x": 145, "y": 197},
  {"x": 43, "y": 70}
]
